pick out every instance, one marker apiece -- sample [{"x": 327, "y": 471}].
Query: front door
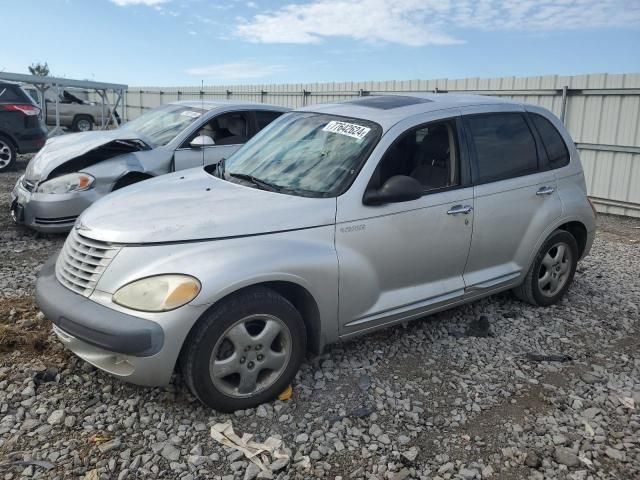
[
  {"x": 401, "y": 260},
  {"x": 515, "y": 198},
  {"x": 227, "y": 131}
]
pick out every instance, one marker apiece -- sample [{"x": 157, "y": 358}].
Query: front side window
[
  {"x": 163, "y": 124},
  {"x": 553, "y": 143},
  {"x": 504, "y": 146},
  {"x": 428, "y": 153},
  {"x": 308, "y": 154},
  {"x": 226, "y": 129}
]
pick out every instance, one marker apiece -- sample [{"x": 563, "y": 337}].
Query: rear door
[{"x": 515, "y": 196}]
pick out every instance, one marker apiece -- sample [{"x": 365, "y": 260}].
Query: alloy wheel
[
  {"x": 5, "y": 154},
  {"x": 250, "y": 355},
  {"x": 555, "y": 269},
  {"x": 83, "y": 125}
]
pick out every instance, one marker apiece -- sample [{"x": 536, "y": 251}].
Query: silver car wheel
[
  {"x": 5, "y": 154},
  {"x": 83, "y": 125},
  {"x": 250, "y": 355},
  {"x": 555, "y": 269}
]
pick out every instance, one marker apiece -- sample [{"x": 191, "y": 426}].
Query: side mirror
[
  {"x": 399, "y": 188},
  {"x": 202, "y": 141}
]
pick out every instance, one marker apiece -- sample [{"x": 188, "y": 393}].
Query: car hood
[
  {"x": 194, "y": 205},
  {"x": 64, "y": 148}
]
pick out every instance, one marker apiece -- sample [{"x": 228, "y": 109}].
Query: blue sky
[{"x": 181, "y": 42}]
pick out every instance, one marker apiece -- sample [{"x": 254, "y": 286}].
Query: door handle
[
  {"x": 545, "y": 191},
  {"x": 458, "y": 209}
]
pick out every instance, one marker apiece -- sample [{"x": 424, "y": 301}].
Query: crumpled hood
[
  {"x": 194, "y": 205},
  {"x": 63, "y": 148}
]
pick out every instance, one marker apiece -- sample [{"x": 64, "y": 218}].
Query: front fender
[{"x": 306, "y": 258}]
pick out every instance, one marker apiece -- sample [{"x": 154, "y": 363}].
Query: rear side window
[
  {"x": 504, "y": 146},
  {"x": 553, "y": 143},
  {"x": 264, "y": 118}
]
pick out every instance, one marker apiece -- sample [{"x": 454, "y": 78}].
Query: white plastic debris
[{"x": 261, "y": 454}]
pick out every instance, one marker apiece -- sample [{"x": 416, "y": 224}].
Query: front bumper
[
  {"x": 126, "y": 346},
  {"x": 49, "y": 213}
]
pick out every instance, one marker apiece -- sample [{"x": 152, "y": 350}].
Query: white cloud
[
  {"x": 149, "y": 3},
  {"x": 243, "y": 70},
  {"x": 429, "y": 22}
]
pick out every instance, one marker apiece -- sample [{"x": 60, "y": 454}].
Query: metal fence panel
[{"x": 601, "y": 111}]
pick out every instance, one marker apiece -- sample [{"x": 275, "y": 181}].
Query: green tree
[{"x": 39, "y": 69}]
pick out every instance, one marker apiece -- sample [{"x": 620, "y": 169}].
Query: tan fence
[{"x": 601, "y": 111}]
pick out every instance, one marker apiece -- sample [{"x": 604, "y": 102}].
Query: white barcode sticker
[{"x": 348, "y": 129}]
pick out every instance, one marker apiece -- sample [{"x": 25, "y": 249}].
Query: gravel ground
[{"x": 441, "y": 398}]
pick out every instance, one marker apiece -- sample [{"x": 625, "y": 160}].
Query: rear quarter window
[
  {"x": 9, "y": 93},
  {"x": 504, "y": 146},
  {"x": 556, "y": 149}
]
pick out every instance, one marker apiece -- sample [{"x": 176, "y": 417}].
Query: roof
[
  {"x": 387, "y": 110},
  {"x": 213, "y": 104}
]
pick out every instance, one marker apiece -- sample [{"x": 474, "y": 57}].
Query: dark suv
[{"x": 21, "y": 130}]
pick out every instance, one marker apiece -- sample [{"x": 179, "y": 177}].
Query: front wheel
[
  {"x": 82, "y": 123},
  {"x": 245, "y": 351},
  {"x": 552, "y": 271}
]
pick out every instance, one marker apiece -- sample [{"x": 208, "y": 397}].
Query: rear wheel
[
  {"x": 7, "y": 153},
  {"x": 82, "y": 123},
  {"x": 552, "y": 270},
  {"x": 245, "y": 351}
]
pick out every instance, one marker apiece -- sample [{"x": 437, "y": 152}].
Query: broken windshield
[
  {"x": 162, "y": 124},
  {"x": 307, "y": 154}
]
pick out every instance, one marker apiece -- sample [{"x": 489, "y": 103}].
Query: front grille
[{"x": 82, "y": 262}]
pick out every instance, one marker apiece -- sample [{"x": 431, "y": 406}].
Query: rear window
[
  {"x": 504, "y": 146},
  {"x": 9, "y": 93},
  {"x": 554, "y": 145}
]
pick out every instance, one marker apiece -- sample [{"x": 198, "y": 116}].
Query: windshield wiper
[{"x": 257, "y": 182}]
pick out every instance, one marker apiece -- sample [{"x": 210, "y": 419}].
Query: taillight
[{"x": 29, "y": 110}]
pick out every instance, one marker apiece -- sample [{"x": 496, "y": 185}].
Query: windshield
[
  {"x": 308, "y": 154},
  {"x": 162, "y": 124}
]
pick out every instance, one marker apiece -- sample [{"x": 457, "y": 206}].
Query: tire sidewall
[
  {"x": 78, "y": 119},
  {"x": 218, "y": 321},
  {"x": 14, "y": 154},
  {"x": 555, "y": 237}
]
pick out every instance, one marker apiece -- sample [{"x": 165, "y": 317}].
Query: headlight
[
  {"x": 73, "y": 182},
  {"x": 159, "y": 293}
]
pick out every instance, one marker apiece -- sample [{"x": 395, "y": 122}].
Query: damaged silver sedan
[{"x": 73, "y": 171}]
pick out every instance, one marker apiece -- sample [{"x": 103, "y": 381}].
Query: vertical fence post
[
  {"x": 305, "y": 94},
  {"x": 229, "y": 93},
  {"x": 140, "y": 107},
  {"x": 563, "y": 112}
]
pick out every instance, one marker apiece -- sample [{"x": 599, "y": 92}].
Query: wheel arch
[
  {"x": 579, "y": 232},
  {"x": 129, "y": 178}
]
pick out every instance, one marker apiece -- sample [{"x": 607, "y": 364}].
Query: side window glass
[
  {"x": 227, "y": 129},
  {"x": 264, "y": 118},
  {"x": 428, "y": 153},
  {"x": 504, "y": 146},
  {"x": 553, "y": 143}
]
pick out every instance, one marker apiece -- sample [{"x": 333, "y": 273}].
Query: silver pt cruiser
[
  {"x": 333, "y": 221},
  {"x": 73, "y": 171}
]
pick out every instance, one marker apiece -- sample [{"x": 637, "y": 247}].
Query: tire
[
  {"x": 551, "y": 272},
  {"x": 7, "y": 154},
  {"x": 241, "y": 383},
  {"x": 82, "y": 123}
]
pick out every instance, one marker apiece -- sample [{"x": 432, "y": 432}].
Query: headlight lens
[
  {"x": 73, "y": 182},
  {"x": 158, "y": 294}
]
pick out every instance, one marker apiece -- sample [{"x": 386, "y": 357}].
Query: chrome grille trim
[{"x": 82, "y": 262}]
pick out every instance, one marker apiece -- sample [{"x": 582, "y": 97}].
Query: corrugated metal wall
[{"x": 601, "y": 111}]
